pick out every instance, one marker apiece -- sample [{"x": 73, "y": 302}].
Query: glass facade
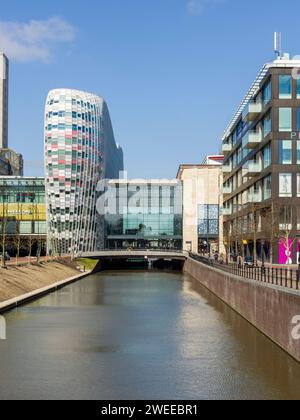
[
  {"x": 147, "y": 215},
  {"x": 208, "y": 220},
  {"x": 22, "y": 206}
]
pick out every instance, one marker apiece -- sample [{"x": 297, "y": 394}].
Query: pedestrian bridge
[{"x": 127, "y": 254}]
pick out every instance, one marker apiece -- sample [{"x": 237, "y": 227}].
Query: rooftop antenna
[{"x": 278, "y": 44}]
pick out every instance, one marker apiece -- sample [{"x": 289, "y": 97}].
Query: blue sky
[{"x": 171, "y": 71}]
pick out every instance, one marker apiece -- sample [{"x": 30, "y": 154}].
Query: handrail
[{"x": 284, "y": 277}]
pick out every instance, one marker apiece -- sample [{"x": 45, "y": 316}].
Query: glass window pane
[
  {"x": 267, "y": 93},
  {"x": 285, "y": 87},
  {"x": 285, "y": 119},
  {"x": 267, "y": 156},
  {"x": 267, "y": 124},
  {"x": 298, "y": 87},
  {"x": 285, "y": 152},
  {"x": 298, "y": 119},
  {"x": 285, "y": 185}
]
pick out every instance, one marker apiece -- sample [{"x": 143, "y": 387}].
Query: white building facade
[{"x": 79, "y": 151}]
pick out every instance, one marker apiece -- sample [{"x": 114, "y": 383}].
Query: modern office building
[
  {"x": 142, "y": 214},
  {"x": 79, "y": 151},
  {"x": 202, "y": 219},
  {"x": 4, "y": 66},
  {"x": 22, "y": 215},
  {"x": 261, "y": 185}
]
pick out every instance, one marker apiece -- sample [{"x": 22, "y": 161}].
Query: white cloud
[
  {"x": 197, "y": 7},
  {"x": 34, "y": 40}
]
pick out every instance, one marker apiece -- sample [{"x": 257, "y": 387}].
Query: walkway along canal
[{"x": 139, "y": 335}]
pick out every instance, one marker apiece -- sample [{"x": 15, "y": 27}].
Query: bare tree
[
  {"x": 4, "y": 223},
  {"x": 282, "y": 226}
]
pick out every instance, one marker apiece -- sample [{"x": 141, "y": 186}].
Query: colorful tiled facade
[{"x": 79, "y": 151}]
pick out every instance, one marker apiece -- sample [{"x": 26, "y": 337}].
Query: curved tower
[{"x": 78, "y": 133}]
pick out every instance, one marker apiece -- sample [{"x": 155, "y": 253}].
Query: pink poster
[{"x": 285, "y": 248}]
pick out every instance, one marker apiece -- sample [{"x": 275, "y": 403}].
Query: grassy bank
[{"x": 86, "y": 263}]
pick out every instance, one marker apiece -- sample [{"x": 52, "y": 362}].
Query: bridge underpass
[{"x": 114, "y": 259}]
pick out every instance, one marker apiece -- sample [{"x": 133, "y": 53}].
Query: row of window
[{"x": 63, "y": 99}]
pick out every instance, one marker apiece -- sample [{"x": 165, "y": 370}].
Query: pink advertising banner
[{"x": 285, "y": 249}]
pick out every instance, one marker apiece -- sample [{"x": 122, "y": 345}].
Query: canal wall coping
[
  {"x": 273, "y": 310},
  {"x": 35, "y": 294}
]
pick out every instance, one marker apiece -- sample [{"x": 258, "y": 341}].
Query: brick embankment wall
[{"x": 271, "y": 309}]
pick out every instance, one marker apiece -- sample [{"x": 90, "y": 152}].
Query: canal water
[{"x": 139, "y": 335}]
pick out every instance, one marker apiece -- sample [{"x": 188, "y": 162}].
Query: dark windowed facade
[{"x": 267, "y": 178}]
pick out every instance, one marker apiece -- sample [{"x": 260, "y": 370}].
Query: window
[
  {"x": 267, "y": 124},
  {"x": 298, "y": 152},
  {"x": 285, "y": 87},
  {"x": 285, "y": 185},
  {"x": 285, "y": 119},
  {"x": 298, "y": 86},
  {"x": 267, "y": 156},
  {"x": 267, "y": 93},
  {"x": 208, "y": 220},
  {"x": 285, "y": 218},
  {"x": 298, "y": 185},
  {"x": 285, "y": 152},
  {"x": 267, "y": 187},
  {"x": 298, "y": 119}
]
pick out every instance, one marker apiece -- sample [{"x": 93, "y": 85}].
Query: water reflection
[{"x": 139, "y": 335}]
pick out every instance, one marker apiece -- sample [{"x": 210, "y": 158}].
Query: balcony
[
  {"x": 252, "y": 168},
  {"x": 227, "y": 168},
  {"x": 254, "y": 197},
  {"x": 227, "y": 190},
  {"x": 226, "y": 148},
  {"x": 227, "y": 211},
  {"x": 252, "y": 110},
  {"x": 252, "y": 139}
]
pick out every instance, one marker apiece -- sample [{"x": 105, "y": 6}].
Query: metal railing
[{"x": 284, "y": 277}]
